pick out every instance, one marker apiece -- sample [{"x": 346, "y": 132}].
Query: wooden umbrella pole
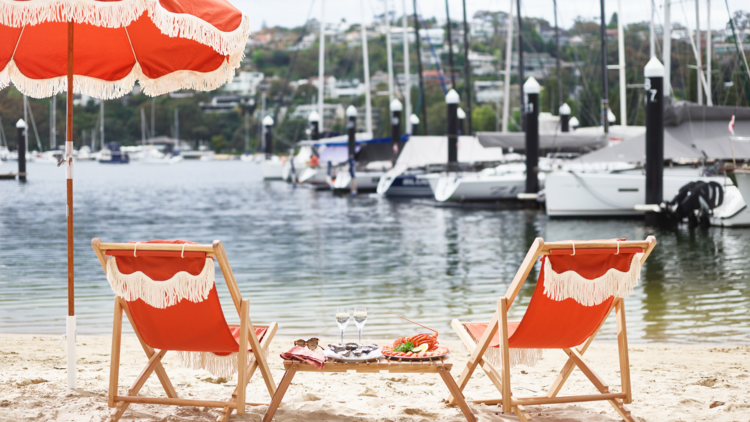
[{"x": 70, "y": 322}]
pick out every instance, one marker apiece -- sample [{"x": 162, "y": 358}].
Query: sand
[{"x": 670, "y": 383}]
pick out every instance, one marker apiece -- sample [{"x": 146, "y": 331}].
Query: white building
[
  {"x": 329, "y": 85},
  {"x": 488, "y": 91},
  {"x": 482, "y": 64},
  {"x": 434, "y": 36},
  {"x": 348, "y": 88},
  {"x": 246, "y": 83}
]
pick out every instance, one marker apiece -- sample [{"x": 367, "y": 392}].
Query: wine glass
[
  {"x": 360, "y": 317},
  {"x": 342, "y": 319}
]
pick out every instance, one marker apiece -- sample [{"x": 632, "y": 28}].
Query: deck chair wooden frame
[
  {"x": 499, "y": 321},
  {"x": 245, "y": 372}
]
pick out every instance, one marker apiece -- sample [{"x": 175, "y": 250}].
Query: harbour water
[{"x": 299, "y": 254}]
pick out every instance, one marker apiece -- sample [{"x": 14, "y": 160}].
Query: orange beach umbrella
[{"x": 101, "y": 48}]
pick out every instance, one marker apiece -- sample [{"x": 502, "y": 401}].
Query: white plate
[{"x": 372, "y": 356}]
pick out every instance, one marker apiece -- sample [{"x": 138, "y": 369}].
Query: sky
[{"x": 290, "y": 13}]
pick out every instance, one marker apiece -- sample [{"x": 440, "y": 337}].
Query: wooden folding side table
[{"x": 441, "y": 367}]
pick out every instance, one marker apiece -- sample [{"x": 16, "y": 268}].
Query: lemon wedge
[{"x": 420, "y": 349}]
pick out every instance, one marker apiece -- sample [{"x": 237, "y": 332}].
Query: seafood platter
[
  {"x": 353, "y": 352},
  {"x": 419, "y": 347}
]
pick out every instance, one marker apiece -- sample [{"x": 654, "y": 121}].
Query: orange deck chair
[
  {"x": 579, "y": 285},
  {"x": 167, "y": 291}
]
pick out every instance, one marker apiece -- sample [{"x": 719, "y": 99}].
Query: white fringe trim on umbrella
[
  {"x": 161, "y": 294},
  {"x": 110, "y": 14},
  {"x": 194, "y": 28},
  {"x": 5, "y": 76},
  {"x": 590, "y": 292},
  {"x": 527, "y": 357},
  {"x": 118, "y": 14},
  {"x": 99, "y": 88}
]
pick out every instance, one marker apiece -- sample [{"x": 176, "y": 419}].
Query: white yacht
[{"x": 734, "y": 211}]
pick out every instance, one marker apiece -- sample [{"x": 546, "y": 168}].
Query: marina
[
  {"x": 303, "y": 252},
  {"x": 235, "y": 188}
]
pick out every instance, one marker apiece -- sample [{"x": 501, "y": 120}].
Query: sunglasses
[{"x": 311, "y": 344}]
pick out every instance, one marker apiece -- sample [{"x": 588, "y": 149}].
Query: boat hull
[{"x": 571, "y": 194}]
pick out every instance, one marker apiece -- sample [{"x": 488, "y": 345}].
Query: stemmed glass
[
  {"x": 342, "y": 319},
  {"x": 360, "y": 317}
]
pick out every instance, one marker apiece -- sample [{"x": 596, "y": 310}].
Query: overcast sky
[{"x": 291, "y": 13}]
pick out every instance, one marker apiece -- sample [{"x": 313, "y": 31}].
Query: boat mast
[
  {"x": 407, "y": 72},
  {"x": 557, "y": 60},
  {"x": 177, "y": 127},
  {"x": 652, "y": 33},
  {"x": 321, "y": 64},
  {"x": 26, "y": 119},
  {"x": 366, "y": 59},
  {"x": 450, "y": 46},
  {"x": 621, "y": 66},
  {"x": 605, "y": 87},
  {"x": 709, "y": 100},
  {"x": 53, "y": 123},
  {"x": 667, "y": 48},
  {"x": 389, "y": 51},
  {"x": 467, "y": 73},
  {"x": 101, "y": 127},
  {"x": 508, "y": 57},
  {"x": 143, "y": 127},
  {"x": 522, "y": 103},
  {"x": 425, "y": 129},
  {"x": 698, "y": 58}
]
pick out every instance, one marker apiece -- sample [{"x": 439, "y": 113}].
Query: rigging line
[{"x": 434, "y": 55}]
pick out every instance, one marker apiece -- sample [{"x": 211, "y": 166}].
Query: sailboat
[{"x": 688, "y": 143}]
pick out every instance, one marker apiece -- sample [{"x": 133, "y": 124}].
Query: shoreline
[{"x": 670, "y": 382}]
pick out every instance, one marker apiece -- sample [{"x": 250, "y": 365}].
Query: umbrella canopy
[
  {"x": 165, "y": 45},
  {"x": 101, "y": 48}
]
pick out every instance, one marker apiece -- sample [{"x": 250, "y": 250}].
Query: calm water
[{"x": 298, "y": 254}]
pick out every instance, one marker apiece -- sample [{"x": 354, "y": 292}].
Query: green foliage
[{"x": 483, "y": 119}]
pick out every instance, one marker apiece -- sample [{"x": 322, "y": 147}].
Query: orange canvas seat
[
  {"x": 579, "y": 284},
  {"x": 168, "y": 292}
]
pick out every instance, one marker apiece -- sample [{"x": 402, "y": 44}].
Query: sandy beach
[{"x": 670, "y": 383}]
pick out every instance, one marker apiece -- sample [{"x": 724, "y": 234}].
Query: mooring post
[
  {"x": 451, "y": 100},
  {"x": 565, "y": 118},
  {"x": 414, "y": 119},
  {"x": 21, "y": 128},
  {"x": 314, "y": 121},
  {"x": 351, "y": 129},
  {"x": 531, "y": 89},
  {"x": 654, "y": 84},
  {"x": 461, "y": 117},
  {"x": 268, "y": 124},
  {"x": 396, "y": 109}
]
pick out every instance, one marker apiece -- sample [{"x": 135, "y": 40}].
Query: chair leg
[
  {"x": 121, "y": 407},
  {"x": 622, "y": 346},
  {"x": 502, "y": 305},
  {"x": 242, "y": 357},
  {"x": 489, "y": 370},
  {"x": 476, "y": 356},
  {"x": 279, "y": 396},
  {"x": 520, "y": 411},
  {"x": 114, "y": 365}
]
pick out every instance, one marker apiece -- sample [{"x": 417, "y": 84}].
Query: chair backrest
[
  {"x": 172, "y": 297},
  {"x": 574, "y": 294}
]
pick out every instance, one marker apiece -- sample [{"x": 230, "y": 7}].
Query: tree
[{"x": 483, "y": 119}]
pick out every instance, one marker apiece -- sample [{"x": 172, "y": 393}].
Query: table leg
[
  {"x": 280, "y": 391},
  {"x": 456, "y": 393}
]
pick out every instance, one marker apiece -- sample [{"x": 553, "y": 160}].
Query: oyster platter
[{"x": 353, "y": 352}]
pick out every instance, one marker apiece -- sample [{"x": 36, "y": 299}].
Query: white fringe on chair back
[
  {"x": 220, "y": 366},
  {"x": 587, "y": 292},
  {"x": 527, "y": 357},
  {"x": 161, "y": 294}
]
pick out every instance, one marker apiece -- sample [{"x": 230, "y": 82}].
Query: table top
[{"x": 382, "y": 365}]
